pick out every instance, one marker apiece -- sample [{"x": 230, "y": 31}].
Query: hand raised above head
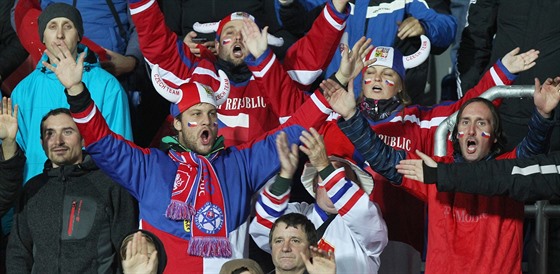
[
  {"x": 314, "y": 147},
  {"x": 8, "y": 121},
  {"x": 547, "y": 96},
  {"x": 516, "y": 62},
  {"x": 341, "y": 101},
  {"x": 254, "y": 39},
  {"x": 66, "y": 68},
  {"x": 288, "y": 155}
]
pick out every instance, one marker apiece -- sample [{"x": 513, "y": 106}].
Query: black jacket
[
  {"x": 12, "y": 53},
  {"x": 495, "y": 27},
  {"x": 532, "y": 179},
  {"x": 11, "y": 180},
  {"x": 70, "y": 219}
]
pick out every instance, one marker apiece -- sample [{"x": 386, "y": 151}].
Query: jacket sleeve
[
  {"x": 132, "y": 45},
  {"x": 538, "y": 137},
  {"x": 361, "y": 215},
  {"x": 276, "y": 85},
  {"x": 125, "y": 215},
  {"x": 497, "y": 75},
  {"x": 11, "y": 180},
  {"x": 12, "y": 53},
  {"x": 306, "y": 59},
  {"x": 381, "y": 157},
  {"x": 270, "y": 207},
  {"x": 536, "y": 178},
  {"x": 123, "y": 161},
  {"x": 158, "y": 43},
  {"x": 474, "y": 52},
  {"x": 19, "y": 252},
  {"x": 440, "y": 28}
]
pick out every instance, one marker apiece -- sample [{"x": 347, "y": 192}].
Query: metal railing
[{"x": 542, "y": 211}]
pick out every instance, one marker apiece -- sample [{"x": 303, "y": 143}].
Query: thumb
[
  {"x": 264, "y": 31},
  {"x": 306, "y": 260},
  {"x": 427, "y": 159}
]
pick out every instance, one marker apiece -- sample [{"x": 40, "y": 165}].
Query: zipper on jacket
[{"x": 71, "y": 220}]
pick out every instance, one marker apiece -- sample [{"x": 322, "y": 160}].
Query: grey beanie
[{"x": 60, "y": 10}]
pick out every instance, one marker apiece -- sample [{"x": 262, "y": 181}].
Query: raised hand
[
  {"x": 193, "y": 46},
  {"x": 547, "y": 96},
  {"x": 410, "y": 27},
  {"x": 341, "y": 101},
  {"x": 255, "y": 40},
  {"x": 67, "y": 70},
  {"x": 8, "y": 128},
  {"x": 320, "y": 262},
  {"x": 351, "y": 63},
  {"x": 137, "y": 259},
  {"x": 413, "y": 169},
  {"x": 515, "y": 62},
  {"x": 8, "y": 121},
  {"x": 288, "y": 156},
  {"x": 314, "y": 147},
  {"x": 118, "y": 64}
]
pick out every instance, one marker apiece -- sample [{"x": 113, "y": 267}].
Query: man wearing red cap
[
  {"x": 196, "y": 196},
  {"x": 244, "y": 57}
]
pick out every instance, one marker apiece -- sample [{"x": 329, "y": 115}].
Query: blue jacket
[
  {"x": 41, "y": 91},
  {"x": 378, "y": 21}
]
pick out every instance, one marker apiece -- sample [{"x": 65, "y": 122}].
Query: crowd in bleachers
[{"x": 274, "y": 136}]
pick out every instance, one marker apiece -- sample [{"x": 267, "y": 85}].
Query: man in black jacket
[
  {"x": 12, "y": 161},
  {"x": 72, "y": 217}
]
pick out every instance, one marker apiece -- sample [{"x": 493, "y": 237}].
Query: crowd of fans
[{"x": 271, "y": 136}]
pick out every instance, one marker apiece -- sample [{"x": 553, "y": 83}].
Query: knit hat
[
  {"x": 60, "y": 10},
  {"x": 310, "y": 172},
  {"x": 394, "y": 59},
  {"x": 190, "y": 93},
  {"x": 239, "y": 15},
  {"x": 235, "y": 264}
]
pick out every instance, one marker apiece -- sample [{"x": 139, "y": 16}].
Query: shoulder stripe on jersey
[
  {"x": 305, "y": 77},
  {"x": 534, "y": 169},
  {"x": 141, "y": 8},
  {"x": 276, "y": 200},
  {"x": 239, "y": 120},
  {"x": 266, "y": 68}
]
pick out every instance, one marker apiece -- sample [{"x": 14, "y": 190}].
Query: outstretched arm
[{"x": 530, "y": 179}]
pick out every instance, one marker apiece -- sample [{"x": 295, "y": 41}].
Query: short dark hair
[
  {"x": 498, "y": 146},
  {"x": 54, "y": 112},
  {"x": 296, "y": 220}
]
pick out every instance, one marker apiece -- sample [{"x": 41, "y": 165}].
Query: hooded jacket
[
  {"x": 41, "y": 91},
  {"x": 70, "y": 219}
]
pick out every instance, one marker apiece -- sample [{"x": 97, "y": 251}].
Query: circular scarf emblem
[{"x": 209, "y": 218}]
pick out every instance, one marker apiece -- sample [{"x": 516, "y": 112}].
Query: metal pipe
[{"x": 440, "y": 138}]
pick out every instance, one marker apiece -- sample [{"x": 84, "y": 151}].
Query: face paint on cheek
[
  {"x": 460, "y": 134},
  {"x": 215, "y": 124},
  {"x": 226, "y": 41},
  {"x": 389, "y": 83},
  {"x": 367, "y": 81},
  {"x": 485, "y": 134},
  {"x": 192, "y": 124}
]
